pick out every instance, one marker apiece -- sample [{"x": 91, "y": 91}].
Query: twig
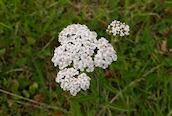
[
  {"x": 153, "y": 69},
  {"x": 28, "y": 104},
  {"x": 132, "y": 83},
  {"x": 136, "y": 81},
  {"x": 41, "y": 104},
  {"x": 15, "y": 70}
]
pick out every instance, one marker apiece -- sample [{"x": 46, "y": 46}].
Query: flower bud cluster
[
  {"x": 117, "y": 27},
  {"x": 80, "y": 51}
]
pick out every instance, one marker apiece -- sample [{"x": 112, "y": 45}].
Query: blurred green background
[{"x": 139, "y": 83}]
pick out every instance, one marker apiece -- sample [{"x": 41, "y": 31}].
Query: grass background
[{"x": 139, "y": 83}]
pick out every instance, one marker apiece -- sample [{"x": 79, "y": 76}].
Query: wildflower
[
  {"x": 117, "y": 27},
  {"x": 80, "y": 51}
]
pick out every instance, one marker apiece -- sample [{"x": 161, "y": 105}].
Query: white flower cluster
[
  {"x": 77, "y": 46},
  {"x": 70, "y": 83},
  {"x": 117, "y": 27},
  {"x": 105, "y": 54},
  {"x": 80, "y": 51}
]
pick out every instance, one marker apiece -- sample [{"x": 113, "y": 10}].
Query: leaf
[
  {"x": 75, "y": 109},
  {"x": 31, "y": 40},
  {"x": 23, "y": 82},
  {"x": 15, "y": 86},
  {"x": 109, "y": 87},
  {"x": 33, "y": 87},
  {"x": 40, "y": 77},
  {"x": 50, "y": 20},
  {"x": 2, "y": 51},
  {"x": 119, "y": 108},
  {"x": 2, "y": 24},
  {"x": 27, "y": 49},
  {"x": 7, "y": 82},
  {"x": 151, "y": 78},
  {"x": 83, "y": 98},
  {"x": 21, "y": 61},
  {"x": 26, "y": 93},
  {"x": 52, "y": 5}
]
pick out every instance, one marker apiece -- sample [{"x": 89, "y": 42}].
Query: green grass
[{"x": 139, "y": 83}]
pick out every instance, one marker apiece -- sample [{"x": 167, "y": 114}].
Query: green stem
[{"x": 98, "y": 90}]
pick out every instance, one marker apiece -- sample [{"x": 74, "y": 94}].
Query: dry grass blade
[
  {"x": 132, "y": 83},
  {"x": 35, "y": 102}
]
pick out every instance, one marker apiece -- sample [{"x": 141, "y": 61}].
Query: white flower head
[
  {"x": 118, "y": 28},
  {"x": 78, "y": 44},
  {"x": 80, "y": 51},
  {"x": 105, "y": 54},
  {"x": 76, "y": 33},
  {"x": 68, "y": 81}
]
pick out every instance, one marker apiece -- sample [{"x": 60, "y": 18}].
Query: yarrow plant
[{"x": 80, "y": 52}]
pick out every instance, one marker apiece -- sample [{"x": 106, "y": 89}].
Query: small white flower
[
  {"x": 117, "y": 27},
  {"x": 90, "y": 69},
  {"x": 83, "y": 56}
]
